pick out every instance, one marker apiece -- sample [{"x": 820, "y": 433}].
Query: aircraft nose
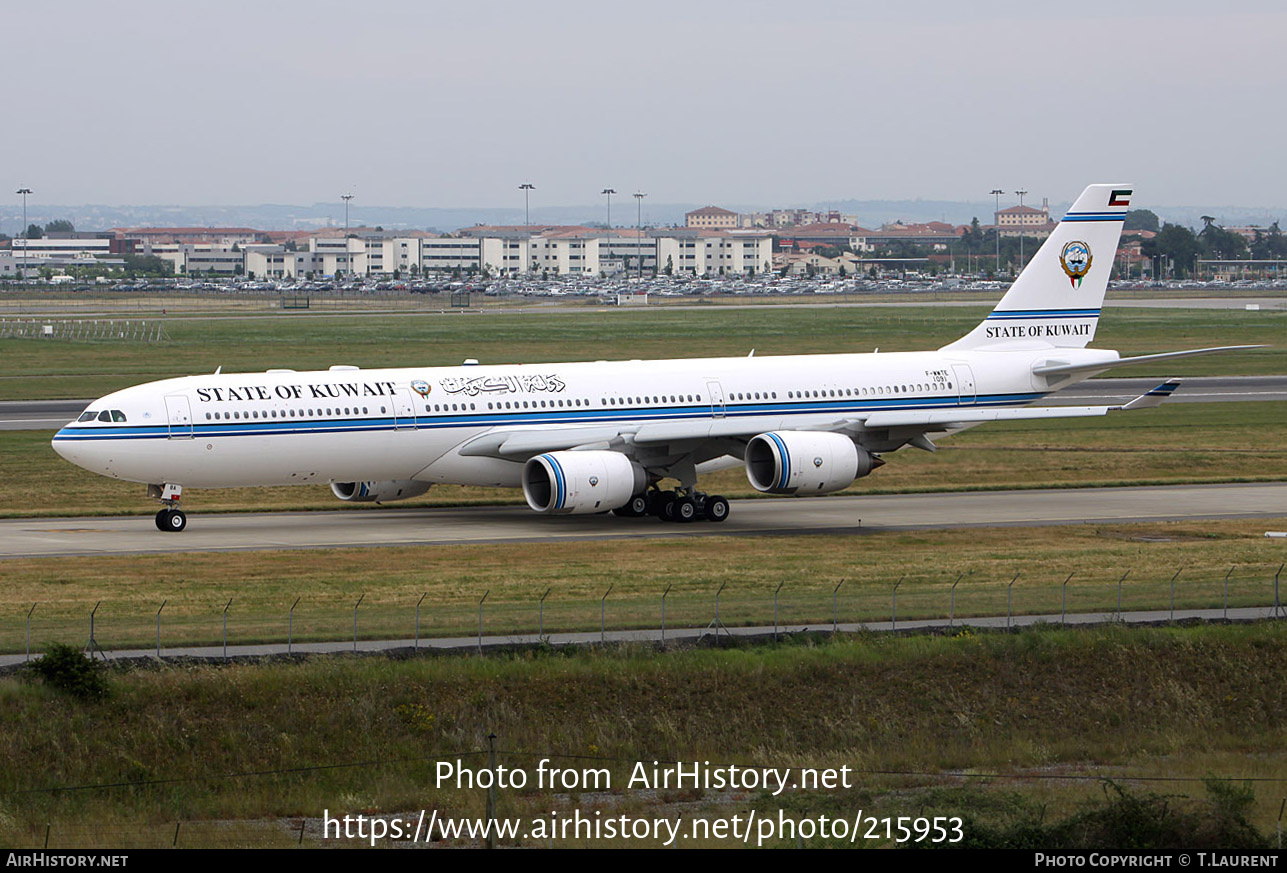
[{"x": 71, "y": 449}]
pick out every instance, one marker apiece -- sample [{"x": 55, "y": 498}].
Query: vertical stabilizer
[{"x": 1057, "y": 298}]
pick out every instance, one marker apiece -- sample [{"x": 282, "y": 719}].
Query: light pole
[
  {"x": 527, "y": 188},
  {"x": 346, "y": 198},
  {"x": 609, "y": 192},
  {"x": 1021, "y": 193},
  {"x": 639, "y": 196},
  {"x": 24, "y": 192},
  {"x": 996, "y": 220}
]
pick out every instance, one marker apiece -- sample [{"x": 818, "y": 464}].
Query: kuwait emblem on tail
[{"x": 1075, "y": 259}]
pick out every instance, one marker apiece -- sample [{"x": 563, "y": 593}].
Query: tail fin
[{"x": 1057, "y": 298}]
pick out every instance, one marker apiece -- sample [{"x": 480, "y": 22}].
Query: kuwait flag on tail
[{"x": 1120, "y": 197}]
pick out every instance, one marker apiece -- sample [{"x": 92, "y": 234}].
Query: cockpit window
[
  {"x": 105, "y": 416},
  {"x": 117, "y": 415},
  {"x": 87, "y": 416}
]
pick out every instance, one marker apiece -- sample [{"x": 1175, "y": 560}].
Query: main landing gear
[
  {"x": 677, "y": 506},
  {"x": 170, "y": 518}
]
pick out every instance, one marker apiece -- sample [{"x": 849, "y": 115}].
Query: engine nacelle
[
  {"x": 804, "y": 462},
  {"x": 578, "y": 482},
  {"x": 378, "y": 492}
]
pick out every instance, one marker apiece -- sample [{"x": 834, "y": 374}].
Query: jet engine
[
  {"x": 805, "y": 462},
  {"x": 563, "y": 483},
  {"x": 378, "y": 492}
]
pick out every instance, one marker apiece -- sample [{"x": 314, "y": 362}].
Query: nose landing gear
[{"x": 170, "y": 519}]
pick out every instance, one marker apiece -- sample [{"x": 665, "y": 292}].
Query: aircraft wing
[
  {"x": 945, "y": 418},
  {"x": 521, "y": 444}
]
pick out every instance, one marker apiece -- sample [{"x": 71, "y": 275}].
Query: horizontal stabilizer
[
  {"x": 1155, "y": 397},
  {"x": 1062, "y": 369}
]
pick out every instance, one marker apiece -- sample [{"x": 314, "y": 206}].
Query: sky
[{"x": 423, "y": 103}]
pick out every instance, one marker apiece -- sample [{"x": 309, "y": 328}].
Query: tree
[
  {"x": 1141, "y": 219},
  {"x": 34, "y": 232},
  {"x": 1219, "y": 243},
  {"x": 1269, "y": 245},
  {"x": 147, "y": 264},
  {"x": 60, "y": 225},
  {"x": 1176, "y": 244}
]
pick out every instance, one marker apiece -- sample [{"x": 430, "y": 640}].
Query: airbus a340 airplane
[{"x": 593, "y": 437}]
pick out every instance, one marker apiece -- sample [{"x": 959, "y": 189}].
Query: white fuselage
[{"x": 284, "y": 427}]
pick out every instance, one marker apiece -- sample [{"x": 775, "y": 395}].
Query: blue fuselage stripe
[{"x": 493, "y": 418}]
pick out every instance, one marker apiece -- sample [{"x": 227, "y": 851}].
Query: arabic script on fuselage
[{"x": 503, "y": 385}]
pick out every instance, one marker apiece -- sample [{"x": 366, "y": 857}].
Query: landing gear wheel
[
  {"x": 716, "y": 509},
  {"x": 637, "y": 506},
  {"x": 660, "y": 503},
  {"x": 171, "y": 520},
  {"x": 683, "y": 510}
]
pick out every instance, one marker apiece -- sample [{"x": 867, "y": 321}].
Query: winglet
[{"x": 1154, "y": 397}]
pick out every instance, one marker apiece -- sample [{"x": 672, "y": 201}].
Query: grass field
[
  {"x": 263, "y": 586},
  {"x": 37, "y": 369},
  {"x": 239, "y": 754}
]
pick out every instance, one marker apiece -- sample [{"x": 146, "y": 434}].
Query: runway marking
[{"x": 67, "y": 530}]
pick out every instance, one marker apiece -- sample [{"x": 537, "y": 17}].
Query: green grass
[
  {"x": 263, "y": 586},
  {"x": 1036, "y": 710},
  {"x": 36, "y": 369}
]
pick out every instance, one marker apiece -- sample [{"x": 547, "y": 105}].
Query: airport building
[
  {"x": 711, "y": 217},
  {"x": 1025, "y": 220}
]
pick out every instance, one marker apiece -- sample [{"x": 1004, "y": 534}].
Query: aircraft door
[
  {"x": 179, "y": 414},
  {"x": 965, "y": 384},
  {"x": 717, "y": 398},
  {"x": 404, "y": 410}
]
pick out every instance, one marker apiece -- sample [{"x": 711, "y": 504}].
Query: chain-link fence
[{"x": 112, "y": 627}]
